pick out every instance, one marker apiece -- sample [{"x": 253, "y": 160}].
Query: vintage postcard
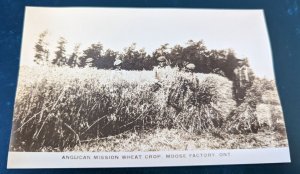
[{"x": 145, "y": 87}]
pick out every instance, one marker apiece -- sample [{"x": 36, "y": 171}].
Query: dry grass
[
  {"x": 61, "y": 109},
  {"x": 174, "y": 139}
]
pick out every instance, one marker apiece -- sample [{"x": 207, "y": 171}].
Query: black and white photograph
[{"x": 179, "y": 84}]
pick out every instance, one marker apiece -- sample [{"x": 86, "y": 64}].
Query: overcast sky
[{"x": 241, "y": 30}]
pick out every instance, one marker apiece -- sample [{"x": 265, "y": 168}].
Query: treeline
[{"x": 222, "y": 62}]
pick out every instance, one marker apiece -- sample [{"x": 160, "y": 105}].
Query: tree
[
  {"x": 218, "y": 59},
  {"x": 107, "y": 60},
  {"x": 134, "y": 59},
  {"x": 176, "y": 56},
  {"x": 195, "y": 52},
  {"x": 60, "y": 55},
  {"x": 163, "y": 50},
  {"x": 95, "y": 53},
  {"x": 41, "y": 49},
  {"x": 73, "y": 59},
  {"x": 141, "y": 59},
  {"x": 149, "y": 62}
]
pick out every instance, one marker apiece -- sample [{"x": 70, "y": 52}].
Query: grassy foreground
[{"x": 174, "y": 139}]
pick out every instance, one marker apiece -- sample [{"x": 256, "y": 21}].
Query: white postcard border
[{"x": 22, "y": 160}]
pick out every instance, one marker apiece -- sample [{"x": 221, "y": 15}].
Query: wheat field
[{"x": 64, "y": 109}]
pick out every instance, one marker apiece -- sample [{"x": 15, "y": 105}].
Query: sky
[{"x": 244, "y": 31}]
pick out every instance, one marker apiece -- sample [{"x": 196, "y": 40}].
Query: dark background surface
[{"x": 283, "y": 21}]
